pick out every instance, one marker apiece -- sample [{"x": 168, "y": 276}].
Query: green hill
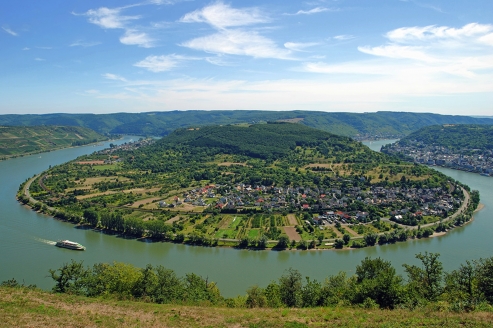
[
  {"x": 19, "y": 140},
  {"x": 453, "y": 137},
  {"x": 358, "y": 125}
]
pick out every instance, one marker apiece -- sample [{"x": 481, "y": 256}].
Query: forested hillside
[
  {"x": 18, "y": 140},
  {"x": 453, "y": 137},
  {"x": 356, "y": 125}
]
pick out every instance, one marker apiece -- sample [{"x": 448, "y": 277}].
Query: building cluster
[
  {"x": 333, "y": 204},
  {"x": 470, "y": 160},
  {"x": 127, "y": 146}
]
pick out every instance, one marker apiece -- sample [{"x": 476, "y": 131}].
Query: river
[{"x": 27, "y": 238}]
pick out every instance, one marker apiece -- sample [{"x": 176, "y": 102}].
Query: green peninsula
[{"x": 265, "y": 185}]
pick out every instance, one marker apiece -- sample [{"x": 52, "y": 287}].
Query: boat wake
[{"x": 46, "y": 241}]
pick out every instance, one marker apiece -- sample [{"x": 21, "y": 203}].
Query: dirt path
[{"x": 351, "y": 231}]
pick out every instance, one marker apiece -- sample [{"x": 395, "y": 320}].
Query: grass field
[{"x": 33, "y": 308}]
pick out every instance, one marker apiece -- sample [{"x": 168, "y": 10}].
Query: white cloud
[
  {"x": 133, "y": 37},
  {"x": 80, "y": 43},
  {"x": 220, "y": 15},
  {"x": 26, "y": 48},
  {"x": 162, "y": 63},
  {"x": 114, "y": 77},
  {"x": 315, "y": 10},
  {"x": 238, "y": 42},
  {"x": 397, "y": 51},
  {"x": 9, "y": 31},
  {"x": 299, "y": 46},
  {"x": 110, "y": 18},
  {"x": 344, "y": 37},
  {"x": 39, "y": 59},
  {"x": 438, "y": 33}
]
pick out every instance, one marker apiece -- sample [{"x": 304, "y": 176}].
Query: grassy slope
[
  {"x": 15, "y": 140},
  {"x": 23, "y": 307}
]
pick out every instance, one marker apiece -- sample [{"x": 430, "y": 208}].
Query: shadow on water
[{"x": 83, "y": 227}]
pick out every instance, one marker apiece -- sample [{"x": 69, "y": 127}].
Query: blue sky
[{"x": 107, "y": 56}]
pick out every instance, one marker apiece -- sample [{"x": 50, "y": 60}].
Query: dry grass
[{"x": 27, "y": 308}]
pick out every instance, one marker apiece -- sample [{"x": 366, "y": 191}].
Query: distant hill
[
  {"x": 355, "y": 125},
  {"x": 19, "y": 140},
  {"x": 454, "y": 137}
]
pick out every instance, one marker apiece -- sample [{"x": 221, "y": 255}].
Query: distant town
[{"x": 470, "y": 160}]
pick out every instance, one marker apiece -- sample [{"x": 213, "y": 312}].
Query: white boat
[{"x": 70, "y": 245}]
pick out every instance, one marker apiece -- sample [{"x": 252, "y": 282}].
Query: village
[
  {"x": 351, "y": 205},
  {"x": 470, "y": 160}
]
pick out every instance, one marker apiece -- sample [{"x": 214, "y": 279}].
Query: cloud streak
[
  {"x": 9, "y": 31},
  {"x": 315, "y": 10},
  {"x": 163, "y": 63}
]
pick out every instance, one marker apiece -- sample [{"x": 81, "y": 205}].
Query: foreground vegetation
[
  {"x": 21, "y": 307},
  {"x": 260, "y": 186},
  {"x": 361, "y": 126},
  {"x": 22, "y": 140},
  {"x": 374, "y": 296}
]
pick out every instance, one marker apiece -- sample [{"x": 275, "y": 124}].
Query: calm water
[{"x": 27, "y": 251}]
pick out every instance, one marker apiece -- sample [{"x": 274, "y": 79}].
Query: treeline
[{"x": 375, "y": 284}]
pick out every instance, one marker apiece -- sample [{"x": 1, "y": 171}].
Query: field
[{"x": 34, "y": 308}]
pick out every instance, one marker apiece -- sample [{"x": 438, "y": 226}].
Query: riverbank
[{"x": 22, "y": 307}]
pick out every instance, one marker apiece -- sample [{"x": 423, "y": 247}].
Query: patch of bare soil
[{"x": 292, "y": 233}]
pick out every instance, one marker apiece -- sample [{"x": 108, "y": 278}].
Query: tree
[
  {"x": 370, "y": 239},
  {"x": 484, "y": 275},
  {"x": 169, "y": 287},
  {"x": 290, "y": 288},
  {"x": 262, "y": 242},
  {"x": 146, "y": 285},
  {"x": 461, "y": 285},
  {"x": 71, "y": 278},
  {"x": 425, "y": 282},
  {"x": 283, "y": 242},
  {"x": 339, "y": 243},
  {"x": 91, "y": 217},
  {"x": 310, "y": 293},
  {"x": 256, "y": 297},
  {"x": 346, "y": 238},
  {"x": 376, "y": 279}
]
